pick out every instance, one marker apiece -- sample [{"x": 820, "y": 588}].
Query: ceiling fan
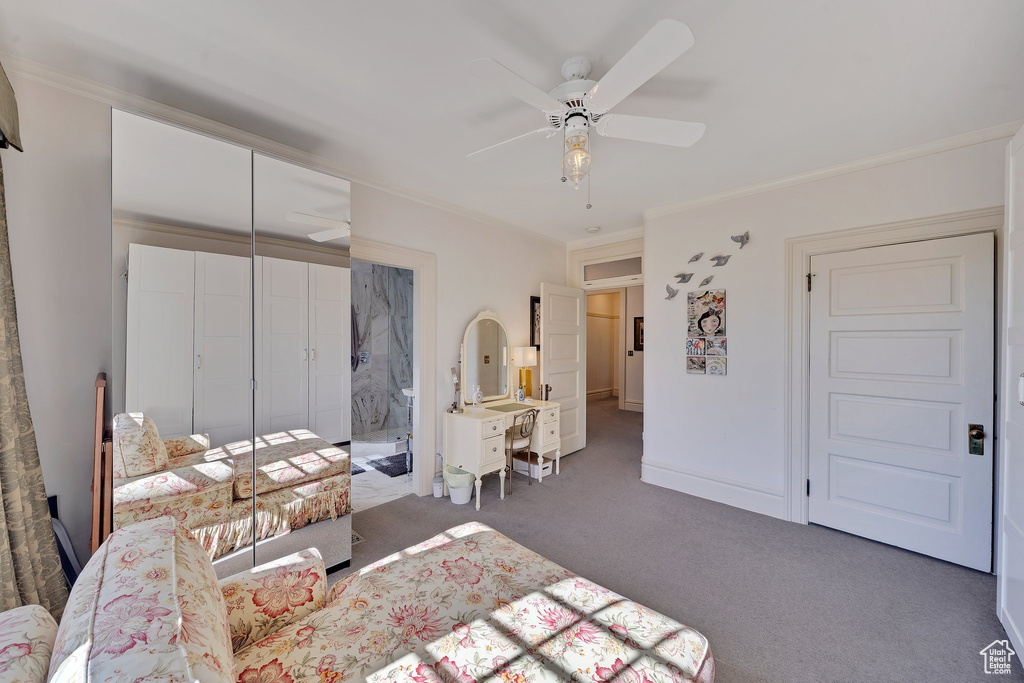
[
  {"x": 336, "y": 229},
  {"x": 580, "y": 104}
]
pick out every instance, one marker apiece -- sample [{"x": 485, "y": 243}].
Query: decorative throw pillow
[
  {"x": 138, "y": 448},
  {"x": 26, "y": 641},
  {"x": 146, "y": 607}
]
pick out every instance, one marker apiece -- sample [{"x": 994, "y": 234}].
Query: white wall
[
  {"x": 723, "y": 437},
  {"x": 479, "y": 266},
  {"x": 58, "y": 210},
  {"x": 603, "y": 323},
  {"x": 634, "y": 375}
]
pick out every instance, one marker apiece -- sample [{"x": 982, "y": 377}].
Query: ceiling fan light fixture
[{"x": 576, "y": 162}]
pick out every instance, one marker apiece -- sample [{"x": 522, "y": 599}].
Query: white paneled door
[
  {"x": 1010, "y": 579},
  {"x": 901, "y": 371},
  {"x": 563, "y": 359},
  {"x": 282, "y": 388},
  {"x": 222, "y": 405},
  {"x": 158, "y": 353},
  {"x": 330, "y": 367}
]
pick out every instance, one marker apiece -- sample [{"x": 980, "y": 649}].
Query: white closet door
[
  {"x": 223, "y": 357},
  {"x": 283, "y": 385},
  {"x": 158, "y": 353},
  {"x": 330, "y": 369}
]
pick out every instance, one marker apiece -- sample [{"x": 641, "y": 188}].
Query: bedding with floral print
[
  {"x": 285, "y": 460},
  {"x": 194, "y": 493},
  {"x": 146, "y": 602},
  {"x": 268, "y": 598},
  {"x": 470, "y": 605},
  {"x": 26, "y": 642},
  {"x": 180, "y": 446}
]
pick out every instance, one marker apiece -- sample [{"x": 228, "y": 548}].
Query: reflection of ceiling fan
[
  {"x": 336, "y": 229},
  {"x": 579, "y": 103}
]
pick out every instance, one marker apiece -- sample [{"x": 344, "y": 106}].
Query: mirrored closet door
[
  {"x": 303, "y": 351},
  {"x": 181, "y": 391}
]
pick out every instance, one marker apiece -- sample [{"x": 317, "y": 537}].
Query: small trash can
[
  {"x": 438, "y": 486},
  {"x": 460, "y": 484}
]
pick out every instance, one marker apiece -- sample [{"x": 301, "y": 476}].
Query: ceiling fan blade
[
  {"x": 316, "y": 221},
  {"x": 662, "y": 45},
  {"x": 546, "y": 129},
  {"x": 647, "y": 129},
  {"x": 504, "y": 78},
  {"x": 328, "y": 235}
]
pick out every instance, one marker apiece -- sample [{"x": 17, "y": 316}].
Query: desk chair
[{"x": 517, "y": 443}]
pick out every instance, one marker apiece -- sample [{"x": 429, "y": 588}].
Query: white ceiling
[{"x": 381, "y": 87}]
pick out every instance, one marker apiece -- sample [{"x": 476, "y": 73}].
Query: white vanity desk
[{"x": 474, "y": 440}]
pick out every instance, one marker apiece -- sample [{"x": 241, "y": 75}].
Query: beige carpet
[{"x": 779, "y": 601}]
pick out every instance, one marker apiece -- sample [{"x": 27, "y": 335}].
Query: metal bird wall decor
[
  {"x": 671, "y": 292},
  {"x": 683, "y": 278},
  {"x": 720, "y": 260},
  {"x": 707, "y": 281},
  {"x": 741, "y": 239},
  {"x": 696, "y": 257}
]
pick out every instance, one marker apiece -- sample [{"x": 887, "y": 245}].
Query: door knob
[{"x": 976, "y": 439}]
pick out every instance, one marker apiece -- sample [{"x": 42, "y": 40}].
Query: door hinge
[
  {"x": 808, "y": 487},
  {"x": 809, "y": 281}
]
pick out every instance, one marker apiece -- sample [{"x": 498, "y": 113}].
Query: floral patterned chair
[
  {"x": 466, "y": 605},
  {"x": 300, "y": 479}
]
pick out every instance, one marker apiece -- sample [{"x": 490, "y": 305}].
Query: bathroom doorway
[{"x": 382, "y": 381}]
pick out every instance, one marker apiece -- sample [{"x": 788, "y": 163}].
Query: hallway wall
[{"x": 603, "y": 352}]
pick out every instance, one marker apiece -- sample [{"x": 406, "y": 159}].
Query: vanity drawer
[
  {"x": 492, "y": 452},
  {"x": 493, "y": 428},
  {"x": 549, "y": 414},
  {"x": 550, "y": 432}
]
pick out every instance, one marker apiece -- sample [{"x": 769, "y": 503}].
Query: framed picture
[
  {"x": 695, "y": 346},
  {"x": 706, "y": 313},
  {"x": 535, "y": 321},
  {"x": 638, "y": 333}
]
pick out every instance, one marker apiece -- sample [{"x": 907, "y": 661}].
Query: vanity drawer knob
[
  {"x": 494, "y": 449},
  {"x": 552, "y": 432},
  {"x": 494, "y": 428}
]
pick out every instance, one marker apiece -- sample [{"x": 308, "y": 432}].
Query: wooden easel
[{"x": 102, "y": 473}]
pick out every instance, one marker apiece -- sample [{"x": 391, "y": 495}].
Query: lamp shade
[{"x": 526, "y": 356}]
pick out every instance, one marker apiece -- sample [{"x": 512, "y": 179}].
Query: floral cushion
[
  {"x": 146, "y": 604},
  {"x": 138, "y": 448},
  {"x": 26, "y": 641},
  {"x": 196, "y": 493},
  {"x": 470, "y": 605},
  {"x": 178, "y": 446},
  {"x": 284, "y": 460},
  {"x": 263, "y": 600}
]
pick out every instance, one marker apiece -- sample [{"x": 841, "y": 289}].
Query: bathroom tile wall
[{"x": 382, "y": 297}]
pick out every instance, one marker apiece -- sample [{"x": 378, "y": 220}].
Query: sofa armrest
[
  {"x": 26, "y": 641},
  {"x": 265, "y": 599},
  {"x": 178, "y": 446}
]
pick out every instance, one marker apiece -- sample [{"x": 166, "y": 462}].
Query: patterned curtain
[{"x": 30, "y": 571}]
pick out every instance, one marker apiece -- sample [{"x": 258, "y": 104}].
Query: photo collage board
[{"x": 706, "y": 342}]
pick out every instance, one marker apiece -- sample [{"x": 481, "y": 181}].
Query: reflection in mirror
[
  {"x": 182, "y": 330},
  {"x": 485, "y": 362},
  {"x": 303, "y": 361}
]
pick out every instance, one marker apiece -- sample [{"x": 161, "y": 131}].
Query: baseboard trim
[
  {"x": 763, "y": 500},
  {"x": 600, "y": 393},
  {"x": 634, "y": 406}
]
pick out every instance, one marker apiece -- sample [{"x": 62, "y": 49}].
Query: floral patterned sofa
[
  {"x": 300, "y": 479},
  {"x": 466, "y": 605}
]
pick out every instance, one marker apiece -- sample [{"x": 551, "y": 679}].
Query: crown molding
[
  {"x": 611, "y": 238},
  {"x": 137, "y": 104},
  {"x": 1000, "y": 132},
  {"x": 234, "y": 238}
]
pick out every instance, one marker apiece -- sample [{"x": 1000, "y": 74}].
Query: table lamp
[{"x": 526, "y": 358}]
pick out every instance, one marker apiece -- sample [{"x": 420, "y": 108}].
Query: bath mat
[
  {"x": 356, "y": 469},
  {"x": 356, "y": 538},
  {"x": 392, "y": 465}
]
